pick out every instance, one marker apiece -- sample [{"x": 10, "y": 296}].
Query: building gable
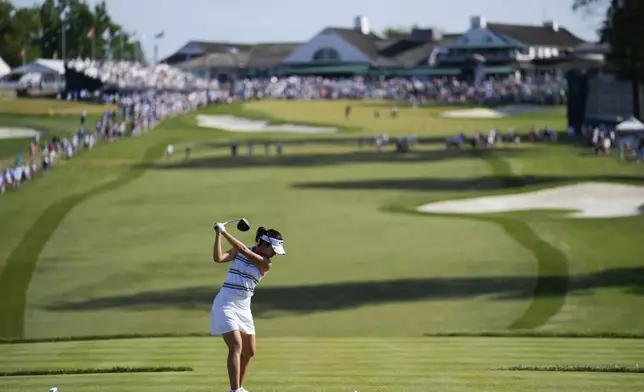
[
  {"x": 326, "y": 41},
  {"x": 484, "y": 37},
  {"x": 191, "y": 49}
]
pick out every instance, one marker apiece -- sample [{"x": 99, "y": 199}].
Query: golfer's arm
[
  {"x": 221, "y": 257},
  {"x": 258, "y": 260}
]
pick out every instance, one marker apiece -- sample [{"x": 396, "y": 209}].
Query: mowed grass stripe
[
  {"x": 274, "y": 381},
  {"x": 197, "y": 352},
  {"x": 21, "y": 263},
  {"x": 533, "y": 335}
]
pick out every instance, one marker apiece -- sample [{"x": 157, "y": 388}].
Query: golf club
[{"x": 242, "y": 224}]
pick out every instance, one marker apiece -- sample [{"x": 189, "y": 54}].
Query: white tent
[
  {"x": 41, "y": 66},
  {"x": 4, "y": 68},
  {"x": 632, "y": 124}
]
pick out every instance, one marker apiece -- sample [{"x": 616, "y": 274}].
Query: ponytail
[{"x": 260, "y": 232}]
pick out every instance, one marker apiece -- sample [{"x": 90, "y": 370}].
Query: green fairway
[
  {"x": 410, "y": 121},
  {"x": 118, "y": 241}
]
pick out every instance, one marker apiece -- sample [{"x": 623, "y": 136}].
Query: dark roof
[
  {"x": 208, "y": 48},
  {"x": 268, "y": 55},
  {"x": 366, "y": 43},
  {"x": 396, "y": 52},
  {"x": 537, "y": 35},
  {"x": 214, "y": 47},
  {"x": 410, "y": 52}
]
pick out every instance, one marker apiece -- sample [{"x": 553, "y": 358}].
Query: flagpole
[
  {"x": 94, "y": 45},
  {"x": 157, "y": 37},
  {"x": 64, "y": 43}
]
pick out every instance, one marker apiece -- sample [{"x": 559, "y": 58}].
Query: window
[{"x": 326, "y": 54}]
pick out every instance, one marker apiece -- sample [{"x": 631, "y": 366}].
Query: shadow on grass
[
  {"x": 312, "y": 160},
  {"x": 338, "y": 296},
  {"x": 476, "y": 183}
]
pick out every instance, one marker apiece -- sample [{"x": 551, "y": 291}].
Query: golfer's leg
[
  {"x": 248, "y": 351},
  {"x": 234, "y": 342}
]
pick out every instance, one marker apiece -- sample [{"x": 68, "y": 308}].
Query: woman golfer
[{"x": 230, "y": 315}]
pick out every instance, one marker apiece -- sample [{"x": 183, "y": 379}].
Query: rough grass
[
  {"x": 580, "y": 368},
  {"x": 115, "y": 369}
]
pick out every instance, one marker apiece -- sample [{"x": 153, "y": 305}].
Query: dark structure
[{"x": 484, "y": 49}]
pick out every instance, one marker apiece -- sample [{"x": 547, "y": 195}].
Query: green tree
[
  {"x": 19, "y": 29},
  {"x": 38, "y": 30},
  {"x": 398, "y": 32}
]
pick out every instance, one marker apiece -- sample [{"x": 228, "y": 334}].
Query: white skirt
[{"x": 229, "y": 315}]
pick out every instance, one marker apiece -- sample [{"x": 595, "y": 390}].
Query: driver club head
[{"x": 243, "y": 225}]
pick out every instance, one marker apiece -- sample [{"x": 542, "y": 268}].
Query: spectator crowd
[
  {"x": 134, "y": 114},
  {"x": 446, "y": 90},
  {"x": 508, "y": 89}
]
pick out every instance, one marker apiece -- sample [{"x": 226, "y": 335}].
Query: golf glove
[{"x": 219, "y": 227}]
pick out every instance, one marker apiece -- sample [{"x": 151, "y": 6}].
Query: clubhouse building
[{"x": 484, "y": 49}]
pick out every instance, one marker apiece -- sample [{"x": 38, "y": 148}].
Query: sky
[{"x": 251, "y": 21}]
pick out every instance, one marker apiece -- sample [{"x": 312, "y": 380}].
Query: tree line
[{"x": 63, "y": 29}]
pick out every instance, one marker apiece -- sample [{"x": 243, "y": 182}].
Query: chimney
[
  {"x": 551, "y": 25},
  {"x": 361, "y": 24},
  {"x": 478, "y": 22}
]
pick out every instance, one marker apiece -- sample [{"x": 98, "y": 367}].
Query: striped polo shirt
[{"x": 242, "y": 278}]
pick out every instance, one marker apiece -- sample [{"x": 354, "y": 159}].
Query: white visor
[{"x": 277, "y": 245}]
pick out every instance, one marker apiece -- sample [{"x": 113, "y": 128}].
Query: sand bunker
[
  {"x": 501, "y": 111},
  {"x": 590, "y": 200},
  {"x": 17, "y": 133},
  {"x": 241, "y": 124}
]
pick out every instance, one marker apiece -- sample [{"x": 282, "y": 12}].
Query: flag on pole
[
  {"x": 92, "y": 35},
  {"x": 106, "y": 35},
  {"x": 55, "y": 56},
  {"x": 159, "y": 35},
  {"x": 22, "y": 53}
]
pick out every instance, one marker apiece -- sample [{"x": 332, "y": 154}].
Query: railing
[
  {"x": 57, "y": 86},
  {"x": 449, "y": 57}
]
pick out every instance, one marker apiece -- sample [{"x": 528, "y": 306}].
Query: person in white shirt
[{"x": 17, "y": 176}]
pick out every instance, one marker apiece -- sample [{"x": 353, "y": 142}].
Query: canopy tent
[
  {"x": 41, "y": 66},
  {"x": 630, "y": 125},
  {"x": 4, "y": 68}
]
